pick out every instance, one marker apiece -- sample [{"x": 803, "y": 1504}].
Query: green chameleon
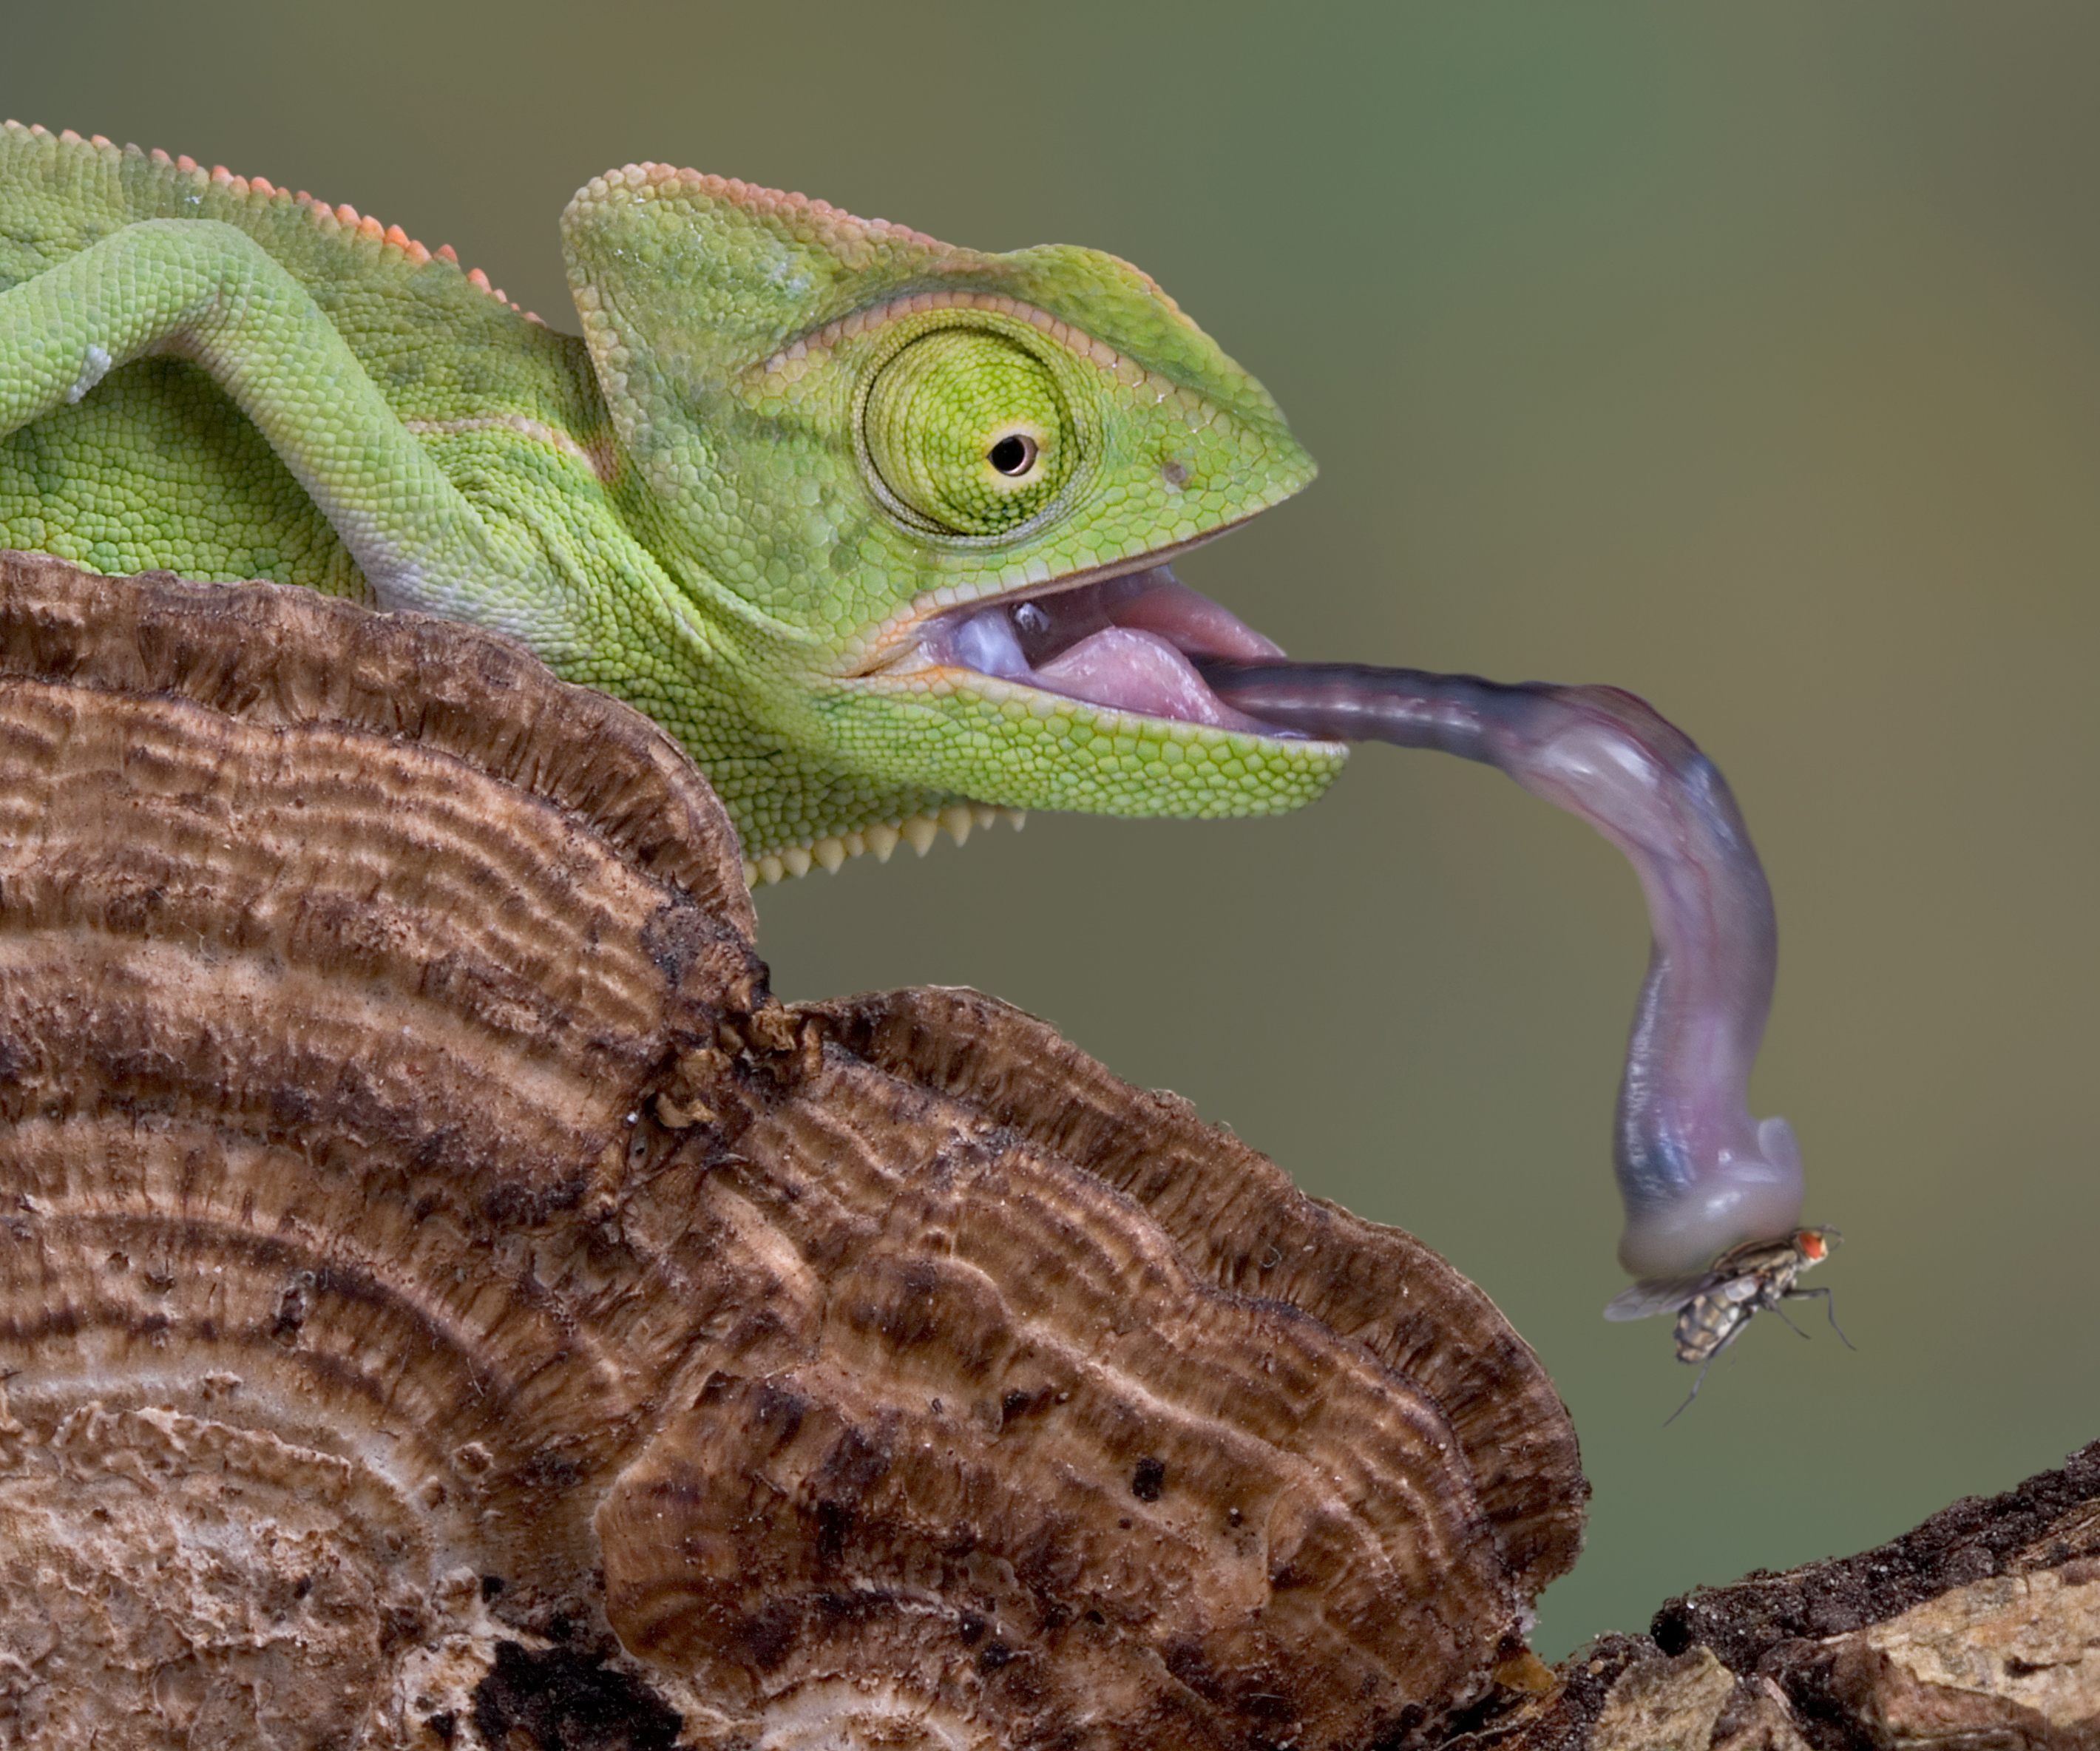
[{"x": 875, "y": 526}]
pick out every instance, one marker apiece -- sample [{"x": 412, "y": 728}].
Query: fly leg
[
  {"x": 1829, "y": 1310},
  {"x": 1775, "y": 1306},
  {"x": 1700, "y": 1381}
]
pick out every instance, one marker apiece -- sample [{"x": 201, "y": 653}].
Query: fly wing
[{"x": 1654, "y": 1295}]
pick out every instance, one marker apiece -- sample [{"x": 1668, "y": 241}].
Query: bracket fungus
[{"x": 445, "y": 1297}]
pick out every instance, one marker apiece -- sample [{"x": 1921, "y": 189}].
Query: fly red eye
[{"x": 1811, "y": 1244}]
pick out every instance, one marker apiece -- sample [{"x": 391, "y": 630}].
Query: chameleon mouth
[{"x": 1129, "y": 643}]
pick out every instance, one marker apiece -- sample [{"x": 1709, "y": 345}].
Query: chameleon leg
[
  {"x": 1696, "y": 1172},
  {"x": 204, "y": 291}
]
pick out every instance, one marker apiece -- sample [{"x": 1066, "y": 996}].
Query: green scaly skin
[{"x": 735, "y": 502}]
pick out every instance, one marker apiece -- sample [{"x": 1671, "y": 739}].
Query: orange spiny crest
[{"x": 261, "y": 187}]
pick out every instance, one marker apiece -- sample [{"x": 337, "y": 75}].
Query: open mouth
[{"x": 1129, "y": 643}]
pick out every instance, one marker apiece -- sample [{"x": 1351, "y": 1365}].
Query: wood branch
[{"x": 1978, "y": 1631}]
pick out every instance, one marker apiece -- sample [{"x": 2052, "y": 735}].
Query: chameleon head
[{"x": 937, "y": 487}]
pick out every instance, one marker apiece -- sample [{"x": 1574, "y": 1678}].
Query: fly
[{"x": 1713, "y": 1307}]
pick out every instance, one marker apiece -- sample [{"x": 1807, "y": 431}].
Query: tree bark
[{"x": 1979, "y": 1631}]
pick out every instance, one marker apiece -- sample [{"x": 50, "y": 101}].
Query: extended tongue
[{"x": 1697, "y": 1174}]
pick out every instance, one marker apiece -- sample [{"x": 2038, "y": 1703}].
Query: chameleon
[
  {"x": 768, "y": 497},
  {"x": 879, "y": 528}
]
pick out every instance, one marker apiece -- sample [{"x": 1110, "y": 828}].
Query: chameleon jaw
[{"x": 1126, "y": 644}]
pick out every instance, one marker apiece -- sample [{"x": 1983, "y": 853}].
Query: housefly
[{"x": 1713, "y": 1307}]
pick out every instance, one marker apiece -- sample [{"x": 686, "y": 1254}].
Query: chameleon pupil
[{"x": 1013, "y": 455}]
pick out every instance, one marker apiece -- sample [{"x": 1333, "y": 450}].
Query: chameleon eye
[
  {"x": 969, "y": 432},
  {"x": 1013, "y": 455}
]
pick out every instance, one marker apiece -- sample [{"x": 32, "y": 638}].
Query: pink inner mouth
[{"x": 1124, "y": 643}]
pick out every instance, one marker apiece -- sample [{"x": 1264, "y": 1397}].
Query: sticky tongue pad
[{"x": 1125, "y": 643}]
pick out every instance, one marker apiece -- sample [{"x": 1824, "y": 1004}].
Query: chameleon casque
[{"x": 877, "y": 528}]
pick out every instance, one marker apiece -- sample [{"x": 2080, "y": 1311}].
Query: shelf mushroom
[{"x": 441, "y": 1287}]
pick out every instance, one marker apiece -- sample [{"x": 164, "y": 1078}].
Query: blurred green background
[{"x": 1745, "y": 357}]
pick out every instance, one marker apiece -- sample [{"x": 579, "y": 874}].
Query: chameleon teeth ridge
[{"x": 957, "y": 820}]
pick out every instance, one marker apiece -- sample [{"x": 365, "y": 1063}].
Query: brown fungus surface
[{"x": 443, "y": 1298}]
